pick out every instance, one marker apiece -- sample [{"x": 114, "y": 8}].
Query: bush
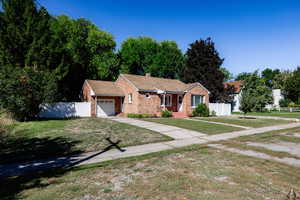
[
  {"x": 137, "y": 115},
  {"x": 166, "y": 113},
  {"x": 201, "y": 111},
  {"x": 213, "y": 113},
  {"x": 284, "y": 102}
]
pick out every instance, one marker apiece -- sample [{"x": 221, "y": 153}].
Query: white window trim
[
  {"x": 130, "y": 98},
  {"x": 165, "y": 100},
  {"x": 203, "y": 99}
]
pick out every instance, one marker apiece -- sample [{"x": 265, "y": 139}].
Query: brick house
[{"x": 143, "y": 94}]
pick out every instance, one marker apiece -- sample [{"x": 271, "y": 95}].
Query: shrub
[
  {"x": 284, "y": 102},
  {"x": 137, "y": 115},
  {"x": 213, "y": 113},
  {"x": 201, "y": 111},
  {"x": 166, "y": 113}
]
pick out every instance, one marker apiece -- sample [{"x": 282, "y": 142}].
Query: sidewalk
[
  {"x": 267, "y": 117},
  {"x": 187, "y": 138}
]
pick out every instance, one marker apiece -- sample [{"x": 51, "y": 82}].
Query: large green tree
[
  {"x": 292, "y": 86},
  {"x": 203, "y": 64},
  {"x": 88, "y": 53},
  {"x": 144, "y": 55},
  {"x": 168, "y": 61},
  {"x": 26, "y": 59},
  {"x": 255, "y": 94},
  {"x": 269, "y": 75},
  {"x": 227, "y": 74},
  {"x": 243, "y": 76}
]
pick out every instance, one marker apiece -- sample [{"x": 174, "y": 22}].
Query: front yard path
[{"x": 95, "y": 157}]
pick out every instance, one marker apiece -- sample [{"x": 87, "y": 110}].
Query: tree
[
  {"x": 24, "y": 89},
  {"x": 292, "y": 86},
  {"x": 227, "y": 75},
  {"x": 268, "y": 75},
  {"x": 168, "y": 61},
  {"x": 280, "y": 79},
  {"x": 88, "y": 53},
  {"x": 255, "y": 94},
  {"x": 137, "y": 54},
  {"x": 203, "y": 65},
  {"x": 26, "y": 80},
  {"x": 242, "y": 76},
  {"x": 144, "y": 55}
]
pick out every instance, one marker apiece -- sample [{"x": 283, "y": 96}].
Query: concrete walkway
[
  {"x": 268, "y": 117},
  {"x": 289, "y": 161},
  {"x": 220, "y": 123},
  {"x": 171, "y": 131},
  {"x": 182, "y": 139}
]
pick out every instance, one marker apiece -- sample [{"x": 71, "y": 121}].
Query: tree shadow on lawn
[
  {"x": 19, "y": 149},
  {"x": 11, "y": 187}
]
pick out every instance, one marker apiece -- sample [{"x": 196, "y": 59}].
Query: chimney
[{"x": 148, "y": 75}]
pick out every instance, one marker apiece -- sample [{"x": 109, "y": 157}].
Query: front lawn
[
  {"x": 202, "y": 127},
  {"x": 44, "y": 139},
  {"x": 255, "y": 123},
  {"x": 274, "y": 114},
  {"x": 195, "y": 172}
]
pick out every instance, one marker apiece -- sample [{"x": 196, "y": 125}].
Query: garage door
[{"x": 105, "y": 107}]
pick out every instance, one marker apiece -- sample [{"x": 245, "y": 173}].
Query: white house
[{"x": 277, "y": 96}]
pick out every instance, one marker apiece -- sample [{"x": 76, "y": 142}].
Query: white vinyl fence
[
  {"x": 65, "y": 110},
  {"x": 220, "y": 108}
]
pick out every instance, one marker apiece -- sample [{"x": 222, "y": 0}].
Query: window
[
  {"x": 168, "y": 99},
  {"x": 196, "y": 99},
  {"x": 129, "y": 98}
]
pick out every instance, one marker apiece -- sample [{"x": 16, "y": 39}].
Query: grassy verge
[
  {"x": 275, "y": 114},
  {"x": 43, "y": 139},
  {"x": 199, "y": 126},
  {"x": 195, "y": 172},
  {"x": 254, "y": 123}
]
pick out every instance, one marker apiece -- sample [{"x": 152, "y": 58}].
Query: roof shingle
[
  {"x": 238, "y": 85},
  {"x": 105, "y": 88},
  {"x": 148, "y": 83}
]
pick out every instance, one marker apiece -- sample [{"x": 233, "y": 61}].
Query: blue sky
[{"x": 248, "y": 34}]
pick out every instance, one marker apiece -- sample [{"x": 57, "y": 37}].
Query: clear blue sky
[{"x": 248, "y": 34}]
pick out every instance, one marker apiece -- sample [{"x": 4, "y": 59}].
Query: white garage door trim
[{"x": 105, "y": 107}]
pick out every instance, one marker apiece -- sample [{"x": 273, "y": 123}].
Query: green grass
[
  {"x": 43, "y": 139},
  {"x": 275, "y": 114},
  {"x": 199, "y": 126},
  {"x": 194, "y": 172},
  {"x": 255, "y": 123}
]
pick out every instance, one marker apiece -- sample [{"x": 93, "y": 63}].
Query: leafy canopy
[
  {"x": 203, "y": 64},
  {"x": 255, "y": 94},
  {"x": 144, "y": 55}
]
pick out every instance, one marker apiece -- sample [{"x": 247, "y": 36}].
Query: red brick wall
[
  {"x": 86, "y": 96},
  {"x": 150, "y": 105},
  {"x": 128, "y": 88},
  {"x": 187, "y": 107}
]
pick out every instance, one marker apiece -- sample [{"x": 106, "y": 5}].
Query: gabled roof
[
  {"x": 149, "y": 83},
  {"x": 105, "y": 88},
  {"x": 238, "y": 85}
]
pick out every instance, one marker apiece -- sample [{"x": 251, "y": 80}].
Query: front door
[{"x": 179, "y": 103}]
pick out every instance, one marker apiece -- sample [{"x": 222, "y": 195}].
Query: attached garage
[
  {"x": 105, "y": 97},
  {"x": 105, "y": 107}
]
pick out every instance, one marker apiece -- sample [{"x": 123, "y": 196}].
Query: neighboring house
[
  {"x": 143, "y": 94},
  {"x": 235, "y": 106}
]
